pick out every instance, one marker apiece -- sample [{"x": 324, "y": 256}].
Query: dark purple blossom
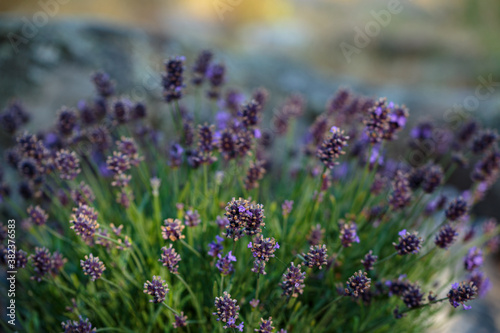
[
  {"x": 158, "y": 288},
  {"x": 266, "y": 326},
  {"x": 215, "y": 247},
  {"x": 484, "y": 141},
  {"x": 456, "y": 209},
  {"x": 200, "y": 67},
  {"x": 481, "y": 282},
  {"x": 412, "y": 296},
  {"x": 227, "y": 311},
  {"x": 66, "y": 121},
  {"x": 369, "y": 260},
  {"x": 358, "y": 283},
  {"x": 331, "y": 148},
  {"x": 462, "y": 293},
  {"x": 262, "y": 250},
  {"x": 173, "y": 79},
  {"x": 104, "y": 85},
  {"x": 401, "y": 192},
  {"x": 316, "y": 257},
  {"x": 84, "y": 223},
  {"x": 408, "y": 243},
  {"x": 37, "y": 215},
  {"x": 293, "y": 281},
  {"x": 68, "y": 164},
  {"x": 446, "y": 236},
  {"x": 180, "y": 320},
  {"x": 216, "y": 76}
]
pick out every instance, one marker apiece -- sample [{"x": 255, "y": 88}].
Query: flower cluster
[
  {"x": 462, "y": 293},
  {"x": 172, "y": 229},
  {"x": 170, "y": 259},
  {"x": 408, "y": 243},
  {"x": 262, "y": 250},
  {"x": 358, "y": 283},
  {"x": 227, "y": 311},
  {"x": 80, "y": 326},
  {"x": 158, "y": 288},
  {"x": 316, "y": 257},
  {"x": 293, "y": 281},
  {"x": 243, "y": 217},
  {"x": 84, "y": 223},
  {"x": 92, "y": 266}
]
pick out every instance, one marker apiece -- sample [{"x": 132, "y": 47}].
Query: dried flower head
[
  {"x": 456, "y": 209},
  {"x": 462, "y": 293},
  {"x": 446, "y": 236},
  {"x": 358, "y": 283},
  {"x": 331, "y": 148},
  {"x": 170, "y": 259},
  {"x": 316, "y": 257},
  {"x": 408, "y": 243},
  {"x": 158, "y": 288},
  {"x": 68, "y": 164},
  {"x": 37, "y": 215},
  {"x": 92, "y": 266},
  {"x": 172, "y": 229},
  {"x": 293, "y": 281}
]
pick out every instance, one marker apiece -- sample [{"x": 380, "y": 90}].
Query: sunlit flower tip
[
  {"x": 227, "y": 311},
  {"x": 332, "y": 148},
  {"x": 37, "y": 215},
  {"x": 293, "y": 281},
  {"x": 172, "y": 229},
  {"x": 68, "y": 164},
  {"x": 446, "y": 236},
  {"x": 474, "y": 259},
  {"x": 192, "y": 218},
  {"x": 348, "y": 233},
  {"x": 461, "y": 293},
  {"x": 170, "y": 258},
  {"x": 80, "y": 326},
  {"x": 408, "y": 243},
  {"x": 456, "y": 209},
  {"x": 369, "y": 260},
  {"x": 180, "y": 320},
  {"x": 358, "y": 283},
  {"x": 286, "y": 207},
  {"x": 158, "y": 289},
  {"x": 92, "y": 266},
  {"x": 265, "y": 326},
  {"x": 316, "y": 257},
  {"x": 412, "y": 296}
]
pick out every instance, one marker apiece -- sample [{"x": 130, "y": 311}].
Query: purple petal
[{"x": 402, "y": 233}]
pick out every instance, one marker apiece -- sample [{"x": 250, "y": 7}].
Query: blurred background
[{"x": 439, "y": 58}]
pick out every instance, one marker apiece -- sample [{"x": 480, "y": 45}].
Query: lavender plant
[{"x": 193, "y": 222}]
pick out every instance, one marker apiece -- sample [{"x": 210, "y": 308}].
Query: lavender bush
[{"x": 209, "y": 219}]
